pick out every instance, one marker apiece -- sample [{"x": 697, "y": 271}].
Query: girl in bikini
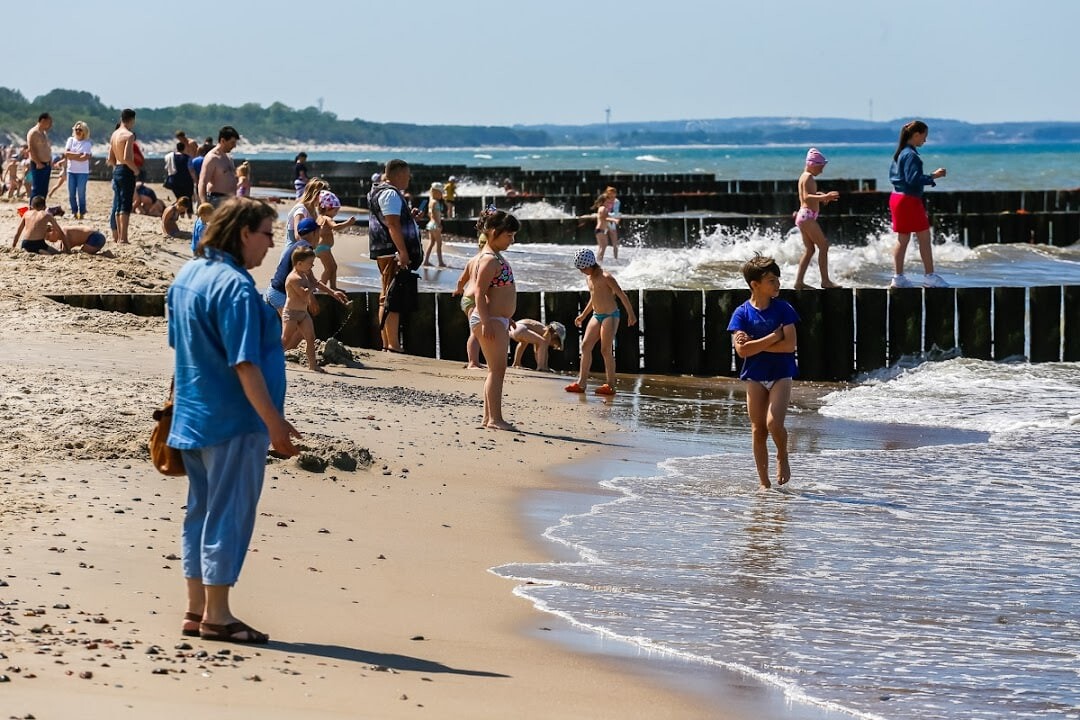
[
  {"x": 806, "y": 220},
  {"x": 496, "y": 300},
  {"x": 329, "y": 205}
]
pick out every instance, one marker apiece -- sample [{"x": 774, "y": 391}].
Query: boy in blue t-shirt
[{"x": 763, "y": 331}]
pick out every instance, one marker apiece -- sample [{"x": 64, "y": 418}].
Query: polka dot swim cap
[
  {"x": 584, "y": 259},
  {"x": 328, "y": 200}
]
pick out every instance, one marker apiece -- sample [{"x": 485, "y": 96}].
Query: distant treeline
[
  {"x": 277, "y": 123},
  {"x": 310, "y": 127}
]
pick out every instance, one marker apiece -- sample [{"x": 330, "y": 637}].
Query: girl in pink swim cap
[
  {"x": 810, "y": 200},
  {"x": 329, "y": 205}
]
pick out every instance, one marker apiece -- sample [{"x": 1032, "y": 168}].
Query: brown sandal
[
  {"x": 228, "y": 633},
  {"x": 191, "y": 617}
]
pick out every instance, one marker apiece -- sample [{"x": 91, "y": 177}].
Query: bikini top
[{"x": 505, "y": 276}]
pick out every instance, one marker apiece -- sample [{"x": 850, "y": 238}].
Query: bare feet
[
  {"x": 475, "y": 367},
  {"x": 801, "y": 286},
  {"x": 316, "y": 368},
  {"x": 501, "y": 425},
  {"x": 783, "y": 469},
  {"x": 765, "y": 484},
  {"x": 828, "y": 285}
]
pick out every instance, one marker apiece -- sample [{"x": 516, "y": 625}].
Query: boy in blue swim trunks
[
  {"x": 603, "y": 291},
  {"x": 763, "y": 331}
]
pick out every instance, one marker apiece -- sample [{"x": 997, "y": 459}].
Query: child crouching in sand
[
  {"x": 763, "y": 331},
  {"x": 296, "y": 323},
  {"x": 533, "y": 333},
  {"x": 603, "y": 290}
]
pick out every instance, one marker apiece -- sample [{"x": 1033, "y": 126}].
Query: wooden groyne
[{"x": 684, "y": 332}]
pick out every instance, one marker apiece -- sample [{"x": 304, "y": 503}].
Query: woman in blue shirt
[
  {"x": 907, "y": 205},
  {"x": 229, "y": 401}
]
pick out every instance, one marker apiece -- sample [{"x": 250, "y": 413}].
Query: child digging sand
[
  {"x": 806, "y": 220},
  {"x": 763, "y": 331},
  {"x": 603, "y": 290},
  {"x": 296, "y": 323}
]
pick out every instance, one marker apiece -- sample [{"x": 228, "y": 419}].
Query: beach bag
[
  {"x": 403, "y": 295},
  {"x": 167, "y": 460}
]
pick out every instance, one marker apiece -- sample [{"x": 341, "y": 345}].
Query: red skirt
[{"x": 908, "y": 213}]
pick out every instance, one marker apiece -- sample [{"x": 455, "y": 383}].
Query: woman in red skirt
[{"x": 907, "y": 205}]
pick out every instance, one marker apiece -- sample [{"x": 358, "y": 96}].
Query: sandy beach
[{"x": 373, "y": 583}]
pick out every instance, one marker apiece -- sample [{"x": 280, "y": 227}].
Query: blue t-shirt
[
  {"x": 197, "y": 233},
  {"x": 217, "y": 320},
  {"x": 196, "y": 166},
  {"x": 757, "y": 324},
  {"x": 284, "y": 266}
]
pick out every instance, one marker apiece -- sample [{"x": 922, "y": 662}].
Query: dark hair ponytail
[
  {"x": 912, "y": 128},
  {"x": 493, "y": 222}
]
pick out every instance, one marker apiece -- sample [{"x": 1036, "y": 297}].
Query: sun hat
[
  {"x": 452, "y": 178},
  {"x": 437, "y": 186},
  {"x": 376, "y": 178},
  {"x": 815, "y": 157},
  {"x": 305, "y": 226},
  {"x": 328, "y": 200},
  {"x": 560, "y": 330},
  {"x": 584, "y": 259}
]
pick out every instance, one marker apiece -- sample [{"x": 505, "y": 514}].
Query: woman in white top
[{"x": 77, "y": 154}]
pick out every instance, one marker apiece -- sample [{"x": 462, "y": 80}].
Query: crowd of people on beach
[{"x": 229, "y": 337}]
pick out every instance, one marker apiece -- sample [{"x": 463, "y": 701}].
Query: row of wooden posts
[{"x": 842, "y": 331}]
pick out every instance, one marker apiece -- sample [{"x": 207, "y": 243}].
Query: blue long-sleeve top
[{"x": 906, "y": 173}]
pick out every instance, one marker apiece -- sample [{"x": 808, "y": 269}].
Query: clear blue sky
[{"x": 564, "y": 61}]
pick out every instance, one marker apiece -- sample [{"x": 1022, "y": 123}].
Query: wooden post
[
  {"x": 356, "y": 326},
  {"x": 905, "y": 323},
  {"x": 528, "y": 306},
  {"x": 719, "y": 305},
  {"x": 973, "y": 313},
  {"x": 147, "y": 305},
  {"x": 940, "y": 318},
  {"x": 686, "y": 327},
  {"x": 374, "y": 332},
  {"x": 838, "y": 321},
  {"x": 871, "y": 312},
  {"x": 1072, "y": 324},
  {"x": 658, "y": 307},
  {"x": 628, "y": 340},
  {"x": 563, "y": 307},
  {"x": 324, "y": 321},
  {"x": 453, "y": 328},
  {"x": 810, "y": 332},
  {"x": 116, "y": 302},
  {"x": 1010, "y": 309},
  {"x": 1045, "y": 323},
  {"x": 418, "y": 327}
]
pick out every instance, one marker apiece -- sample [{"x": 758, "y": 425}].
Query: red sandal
[{"x": 574, "y": 388}]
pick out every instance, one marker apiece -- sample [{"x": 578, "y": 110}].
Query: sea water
[
  {"x": 920, "y": 564},
  {"x": 715, "y": 257}
]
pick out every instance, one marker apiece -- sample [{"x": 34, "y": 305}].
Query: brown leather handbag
[{"x": 167, "y": 460}]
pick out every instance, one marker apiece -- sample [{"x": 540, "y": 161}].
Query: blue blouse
[
  {"x": 218, "y": 320},
  {"x": 906, "y": 173}
]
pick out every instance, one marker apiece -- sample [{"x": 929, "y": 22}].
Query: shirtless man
[
  {"x": 37, "y": 222},
  {"x": 40, "y": 155},
  {"x": 88, "y": 240},
  {"x": 217, "y": 179},
  {"x": 125, "y": 172}
]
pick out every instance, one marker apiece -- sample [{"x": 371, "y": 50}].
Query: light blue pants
[
  {"x": 224, "y": 483},
  {"x": 77, "y": 192}
]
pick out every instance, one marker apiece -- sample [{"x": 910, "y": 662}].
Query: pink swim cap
[
  {"x": 328, "y": 200},
  {"x": 815, "y": 157}
]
